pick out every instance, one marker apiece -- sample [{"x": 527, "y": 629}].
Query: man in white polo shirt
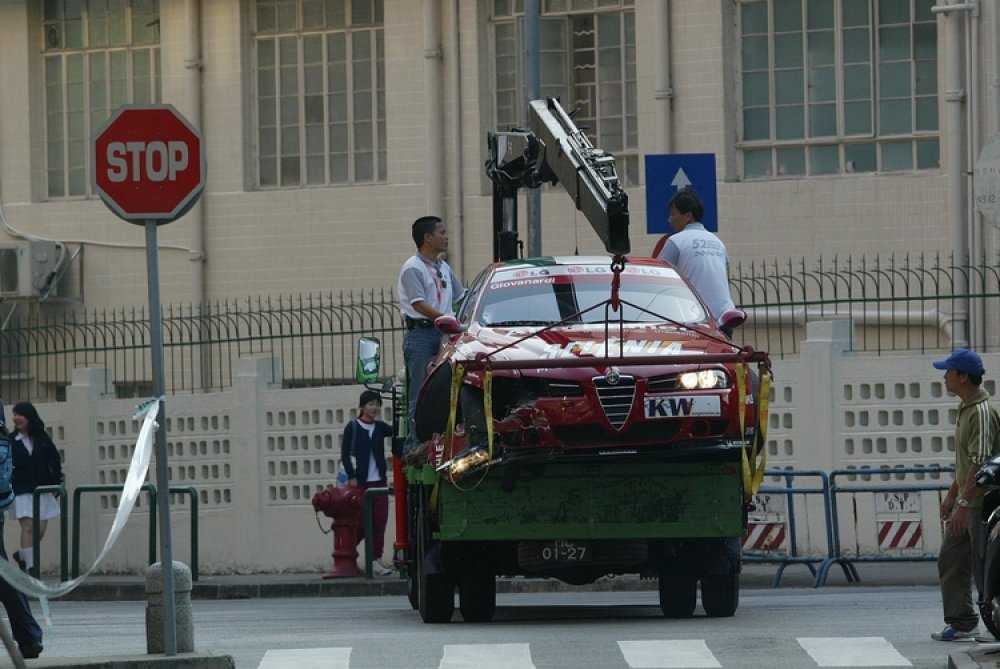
[
  {"x": 698, "y": 254},
  {"x": 427, "y": 289}
]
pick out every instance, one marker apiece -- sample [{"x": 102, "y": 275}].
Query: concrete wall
[{"x": 257, "y": 454}]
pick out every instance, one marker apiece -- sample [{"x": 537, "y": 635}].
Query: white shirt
[
  {"x": 431, "y": 282},
  {"x": 701, "y": 257}
]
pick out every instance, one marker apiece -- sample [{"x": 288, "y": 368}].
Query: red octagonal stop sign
[{"x": 148, "y": 163}]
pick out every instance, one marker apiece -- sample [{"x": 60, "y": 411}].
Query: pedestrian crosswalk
[{"x": 636, "y": 654}]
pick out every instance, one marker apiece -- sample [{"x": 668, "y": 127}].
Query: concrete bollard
[{"x": 183, "y": 614}]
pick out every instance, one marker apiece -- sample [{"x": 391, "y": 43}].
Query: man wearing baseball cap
[{"x": 977, "y": 429}]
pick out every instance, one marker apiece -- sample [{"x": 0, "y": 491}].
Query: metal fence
[
  {"x": 897, "y": 304},
  {"x": 901, "y": 303},
  {"x": 313, "y": 336}
]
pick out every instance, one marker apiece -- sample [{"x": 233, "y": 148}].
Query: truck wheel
[
  {"x": 678, "y": 591},
  {"x": 436, "y": 596},
  {"x": 720, "y": 595},
  {"x": 477, "y": 595}
]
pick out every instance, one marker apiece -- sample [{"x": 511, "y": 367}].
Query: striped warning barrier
[
  {"x": 764, "y": 536},
  {"x": 900, "y": 534}
]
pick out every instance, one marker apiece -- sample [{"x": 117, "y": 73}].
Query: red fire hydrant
[{"x": 344, "y": 505}]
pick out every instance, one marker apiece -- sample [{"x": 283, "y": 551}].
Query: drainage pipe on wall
[
  {"x": 196, "y": 216},
  {"x": 664, "y": 92},
  {"x": 954, "y": 96},
  {"x": 456, "y": 224},
  {"x": 977, "y": 314},
  {"x": 434, "y": 110}
]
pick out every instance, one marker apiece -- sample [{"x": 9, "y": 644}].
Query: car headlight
[{"x": 704, "y": 379}]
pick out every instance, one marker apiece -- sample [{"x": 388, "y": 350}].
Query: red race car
[{"x": 582, "y": 361}]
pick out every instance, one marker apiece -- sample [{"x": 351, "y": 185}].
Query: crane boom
[{"x": 554, "y": 151}]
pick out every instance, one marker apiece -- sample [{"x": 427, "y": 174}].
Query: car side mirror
[
  {"x": 732, "y": 318},
  {"x": 448, "y": 324},
  {"x": 369, "y": 357}
]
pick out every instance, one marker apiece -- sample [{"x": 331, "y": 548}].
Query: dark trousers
[{"x": 23, "y": 625}]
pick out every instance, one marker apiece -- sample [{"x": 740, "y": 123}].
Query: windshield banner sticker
[
  {"x": 680, "y": 407},
  {"x": 601, "y": 349}
]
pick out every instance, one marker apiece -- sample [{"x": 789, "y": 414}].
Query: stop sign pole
[{"x": 149, "y": 168}]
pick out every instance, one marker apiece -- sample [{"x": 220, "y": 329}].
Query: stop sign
[{"x": 148, "y": 163}]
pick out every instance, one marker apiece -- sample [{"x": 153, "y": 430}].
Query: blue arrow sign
[{"x": 668, "y": 173}]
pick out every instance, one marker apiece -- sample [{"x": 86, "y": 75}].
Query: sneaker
[
  {"x": 949, "y": 633},
  {"x": 380, "y": 569},
  {"x": 986, "y": 638}
]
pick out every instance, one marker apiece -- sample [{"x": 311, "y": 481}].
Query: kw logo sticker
[{"x": 680, "y": 407}]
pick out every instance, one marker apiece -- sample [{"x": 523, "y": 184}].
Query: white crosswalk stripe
[
  {"x": 307, "y": 658},
  {"x": 681, "y": 654},
  {"x": 487, "y": 656},
  {"x": 638, "y": 654},
  {"x": 870, "y": 651}
]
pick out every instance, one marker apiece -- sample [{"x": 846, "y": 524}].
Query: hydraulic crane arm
[{"x": 554, "y": 150}]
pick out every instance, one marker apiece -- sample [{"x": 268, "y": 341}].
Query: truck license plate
[{"x": 561, "y": 550}]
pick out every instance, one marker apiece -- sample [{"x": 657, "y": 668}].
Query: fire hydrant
[{"x": 343, "y": 505}]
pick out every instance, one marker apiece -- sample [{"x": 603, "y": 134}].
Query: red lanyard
[{"x": 436, "y": 278}]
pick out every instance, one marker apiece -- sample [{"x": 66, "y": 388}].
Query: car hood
[{"x": 597, "y": 341}]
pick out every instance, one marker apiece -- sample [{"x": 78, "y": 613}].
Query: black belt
[{"x": 425, "y": 323}]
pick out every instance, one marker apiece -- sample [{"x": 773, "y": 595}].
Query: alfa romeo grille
[{"x": 616, "y": 400}]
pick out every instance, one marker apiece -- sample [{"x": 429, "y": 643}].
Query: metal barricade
[
  {"x": 150, "y": 490},
  {"x": 370, "y": 496},
  {"x": 772, "y": 535},
  {"x": 36, "y": 539},
  {"x": 898, "y": 517}
]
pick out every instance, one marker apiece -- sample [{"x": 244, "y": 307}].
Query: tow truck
[{"x": 586, "y": 417}]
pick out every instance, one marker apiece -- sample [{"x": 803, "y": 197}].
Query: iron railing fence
[
  {"x": 900, "y": 304},
  {"x": 314, "y": 338}
]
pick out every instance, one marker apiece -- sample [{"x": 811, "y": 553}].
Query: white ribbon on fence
[{"x": 130, "y": 492}]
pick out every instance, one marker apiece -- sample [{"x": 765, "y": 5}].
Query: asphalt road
[{"x": 787, "y": 628}]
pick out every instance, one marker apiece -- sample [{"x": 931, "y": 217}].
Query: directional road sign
[
  {"x": 668, "y": 173},
  {"x": 148, "y": 163}
]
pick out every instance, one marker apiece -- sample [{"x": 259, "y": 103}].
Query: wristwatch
[{"x": 962, "y": 502}]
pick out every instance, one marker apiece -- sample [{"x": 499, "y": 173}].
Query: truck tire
[
  {"x": 477, "y": 595},
  {"x": 436, "y": 592},
  {"x": 720, "y": 595},
  {"x": 678, "y": 591},
  {"x": 431, "y": 414}
]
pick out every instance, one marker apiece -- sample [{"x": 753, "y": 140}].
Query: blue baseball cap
[{"x": 963, "y": 360}]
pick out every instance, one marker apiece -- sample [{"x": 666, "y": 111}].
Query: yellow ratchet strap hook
[
  {"x": 753, "y": 473},
  {"x": 488, "y": 410},
  {"x": 457, "y": 375}
]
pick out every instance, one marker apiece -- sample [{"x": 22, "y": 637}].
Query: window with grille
[
  {"x": 97, "y": 55},
  {"x": 586, "y": 59},
  {"x": 837, "y": 86},
  {"x": 320, "y": 92}
]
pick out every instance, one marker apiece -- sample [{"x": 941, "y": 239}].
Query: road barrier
[
  {"x": 370, "y": 496},
  {"x": 151, "y": 492},
  {"x": 896, "y": 512},
  {"x": 772, "y": 534}
]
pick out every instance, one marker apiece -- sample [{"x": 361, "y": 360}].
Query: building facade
[{"x": 838, "y": 127}]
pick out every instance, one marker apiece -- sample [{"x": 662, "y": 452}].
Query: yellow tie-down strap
[
  {"x": 457, "y": 377},
  {"x": 756, "y": 462}
]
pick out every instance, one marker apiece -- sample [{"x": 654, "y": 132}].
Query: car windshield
[{"x": 550, "y": 295}]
